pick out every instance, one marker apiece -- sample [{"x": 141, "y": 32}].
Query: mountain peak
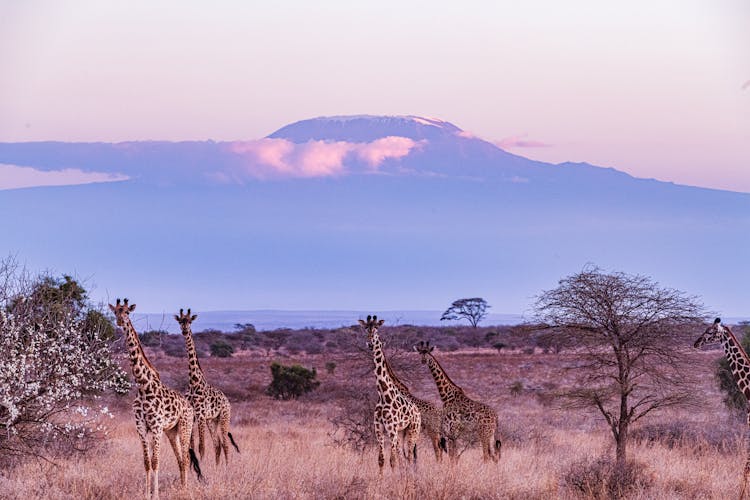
[{"x": 366, "y": 128}]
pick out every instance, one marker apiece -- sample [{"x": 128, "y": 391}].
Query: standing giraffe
[
  {"x": 739, "y": 364},
  {"x": 212, "y": 408},
  {"x": 462, "y": 416},
  {"x": 395, "y": 414},
  {"x": 157, "y": 409},
  {"x": 431, "y": 414}
]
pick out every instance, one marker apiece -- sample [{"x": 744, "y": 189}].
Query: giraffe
[
  {"x": 431, "y": 414},
  {"x": 462, "y": 416},
  {"x": 395, "y": 414},
  {"x": 211, "y": 406},
  {"x": 157, "y": 409},
  {"x": 739, "y": 364}
]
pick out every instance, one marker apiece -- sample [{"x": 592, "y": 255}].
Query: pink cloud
[
  {"x": 268, "y": 158},
  {"x": 375, "y": 152},
  {"x": 519, "y": 141},
  {"x": 320, "y": 158}
]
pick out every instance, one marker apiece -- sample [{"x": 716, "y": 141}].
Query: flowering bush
[{"x": 53, "y": 369}]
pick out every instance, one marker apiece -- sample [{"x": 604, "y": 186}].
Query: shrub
[
  {"x": 290, "y": 382},
  {"x": 152, "y": 338},
  {"x": 221, "y": 349},
  {"x": 52, "y": 363},
  {"x": 499, "y": 346},
  {"x": 603, "y": 478},
  {"x": 516, "y": 388},
  {"x": 685, "y": 434},
  {"x": 330, "y": 367}
]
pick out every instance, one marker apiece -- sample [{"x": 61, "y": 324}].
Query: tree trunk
[
  {"x": 622, "y": 444},
  {"x": 622, "y": 430}
]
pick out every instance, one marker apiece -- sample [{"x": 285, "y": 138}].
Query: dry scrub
[{"x": 287, "y": 451}]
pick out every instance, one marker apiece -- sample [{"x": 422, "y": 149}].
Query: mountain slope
[{"x": 453, "y": 216}]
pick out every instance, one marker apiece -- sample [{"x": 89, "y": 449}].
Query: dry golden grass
[{"x": 286, "y": 451}]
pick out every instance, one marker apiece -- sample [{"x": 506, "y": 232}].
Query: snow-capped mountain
[{"x": 361, "y": 212}]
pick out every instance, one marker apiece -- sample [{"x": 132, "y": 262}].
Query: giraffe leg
[
  {"x": 394, "y": 448},
  {"x": 216, "y": 438},
  {"x": 224, "y": 436},
  {"x": 155, "y": 446},
  {"x": 435, "y": 440},
  {"x": 747, "y": 466},
  {"x": 186, "y": 438},
  {"x": 140, "y": 426},
  {"x": 176, "y": 442},
  {"x": 488, "y": 452},
  {"x": 380, "y": 436},
  {"x": 412, "y": 439},
  {"x": 201, "y": 436}
]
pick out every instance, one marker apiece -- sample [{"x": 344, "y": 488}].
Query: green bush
[
  {"x": 221, "y": 349},
  {"x": 290, "y": 382},
  {"x": 330, "y": 367}
]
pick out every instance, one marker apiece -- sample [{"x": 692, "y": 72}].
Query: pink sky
[{"x": 657, "y": 89}]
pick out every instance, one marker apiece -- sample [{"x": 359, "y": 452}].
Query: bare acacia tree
[
  {"x": 631, "y": 335},
  {"x": 474, "y": 309}
]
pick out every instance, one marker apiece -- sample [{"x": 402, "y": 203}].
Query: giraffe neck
[
  {"x": 447, "y": 389},
  {"x": 143, "y": 371},
  {"x": 385, "y": 383},
  {"x": 401, "y": 386},
  {"x": 196, "y": 374},
  {"x": 739, "y": 363}
]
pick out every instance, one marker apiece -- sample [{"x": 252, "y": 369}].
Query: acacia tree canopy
[
  {"x": 631, "y": 335},
  {"x": 474, "y": 310}
]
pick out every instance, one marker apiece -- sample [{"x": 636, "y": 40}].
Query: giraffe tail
[
  {"x": 233, "y": 443},
  {"x": 195, "y": 464},
  {"x": 443, "y": 444}
]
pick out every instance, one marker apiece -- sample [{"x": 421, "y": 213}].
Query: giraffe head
[
  {"x": 424, "y": 348},
  {"x": 371, "y": 327},
  {"x": 714, "y": 333},
  {"x": 121, "y": 311},
  {"x": 185, "y": 320}
]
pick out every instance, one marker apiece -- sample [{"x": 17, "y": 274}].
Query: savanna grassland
[{"x": 292, "y": 449}]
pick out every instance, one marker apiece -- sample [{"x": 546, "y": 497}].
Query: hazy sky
[{"x": 656, "y": 88}]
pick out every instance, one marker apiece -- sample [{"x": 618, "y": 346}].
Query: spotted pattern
[
  {"x": 463, "y": 418},
  {"x": 431, "y": 414},
  {"x": 739, "y": 364},
  {"x": 395, "y": 413},
  {"x": 157, "y": 408},
  {"x": 212, "y": 408}
]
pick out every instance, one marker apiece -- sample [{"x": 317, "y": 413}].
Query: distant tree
[
  {"x": 631, "y": 335},
  {"x": 474, "y": 310},
  {"x": 733, "y": 397},
  {"x": 244, "y": 327}
]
